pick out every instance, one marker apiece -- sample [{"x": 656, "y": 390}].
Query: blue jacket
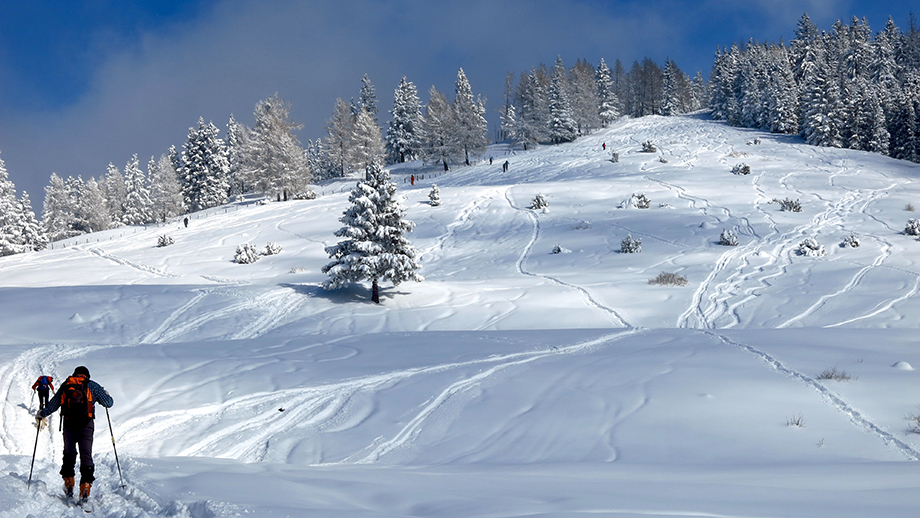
[{"x": 99, "y": 396}]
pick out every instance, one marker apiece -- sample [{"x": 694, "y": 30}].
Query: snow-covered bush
[
  {"x": 648, "y": 147},
  {"x": 639, "y": 201},
  {"x": 909, "y": 207},
  {"x": 914, "y": 421},
  {"x": 811, "y": 248},
  {"x": 663, "y": 160},
  {"x": 728, "y": 238},
  {"x": 741, "y": 168},
  {"x": 630, "y": 245},
  {"x": 788, "y": 205},
  {"x": 561, "y": 250},
  {"x": 539, "y": 202},
  {"x": 614, "y": 157},
  {"x": 669, "y": 279},
  {"x": 272, "y": 249},
  {"x": 434, "y": 197},
  {"x": 165, "y": 240},
  {"x": 851, "y": 241},
  {"x": 246, "y": 254},
  {"x": 913, "y": 227},
  {"x": 305, "y": 195}
]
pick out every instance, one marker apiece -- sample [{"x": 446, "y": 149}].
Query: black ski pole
[
  {"x": 109, "y": 419},
  {"x": 38, "y": 429}
]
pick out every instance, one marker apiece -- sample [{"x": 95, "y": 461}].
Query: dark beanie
[{"x": 81, "y": 370}]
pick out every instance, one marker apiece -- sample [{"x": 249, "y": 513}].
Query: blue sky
[{"x": 86, "y": 83}]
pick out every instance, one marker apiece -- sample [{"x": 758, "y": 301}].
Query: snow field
[{"x": 513, "y": 380}]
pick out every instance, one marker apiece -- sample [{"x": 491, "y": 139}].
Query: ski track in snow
[
  {"x": 243, "y": 428},
  {"x": 124, "y": 262},
  {"x": 733, "y": 281},
  {"x": 535, "y": 235},
  {"x": 854, "y": 415}
]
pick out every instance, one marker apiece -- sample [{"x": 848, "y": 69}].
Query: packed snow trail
[{"x": 854, "y": 415}]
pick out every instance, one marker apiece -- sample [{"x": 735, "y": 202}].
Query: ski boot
[{"x": 68, "y": 487}]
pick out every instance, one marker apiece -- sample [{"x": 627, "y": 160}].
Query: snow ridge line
[
  {"x": 124, "y": 262},
  {"x": 853, "y": 414},
  {"x": 533, "y": 240}
]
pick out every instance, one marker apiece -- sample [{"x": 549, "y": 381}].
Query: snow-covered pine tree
[
  {"x": 471, "y": 129},
  {"x": 237, "y": 137},
  {"x": 434, "y": 197},
  {"x": 374, "y": 246},
  {"x": 607, "y": 103},
  {"x": 403, "y": 140},
  {"x": 275, "y": 162},
  {"x": 367, "y": 147},
  {"x": 19, "y": 231},
  {"x": 116, "y": 192},
  {"x": 92, "y": 207},
  {"x": 57, "y": 213},
  {"x": 318, "y": 158},
  {"x": 166, "y": 192},
  {"x": 340, "y": 130},
  {"x": 438, "y": 128},
  {"x": 137, "y": 200},
  {"x": 583, "y": 99},
  {"x": 562, "y": 126},
  {"x": 368, "y": 99},
  {"x": 204, "y": 169}
]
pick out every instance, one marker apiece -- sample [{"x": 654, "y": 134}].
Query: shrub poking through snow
[
  {"x": 741, "y": 169},
  {"x": 663, "y": 160},
  {"x": 796, "y": 420},
  {"x": 788, "y": 205},
  {"x": 728, "y": 238},
  {"x": 834, "y": 374},
  {"x": 913, "y": 227},
  {"x": 669, "y": 279},
  {"x": 246, "y": 254},
  {"x": 811, "y": 248},
  {"x": 851, "y": 241},
  {"x": 614, "y": 157},
  {"x": 639, "y": 201},
  {"x": 539, "y": 202},
  {"x": 561, "y": 250},
  {"x": 909, "y": 207},
  {"x": 914, "y": 419},
  {"x": 272, "y": 249},
  {"x": 165, "y": 240},
  {"x": 434, "y": 197},
  {"x": 630, "y": 245},
  {"x": 305, "y": 195},
  {"x": 648, "y": 147}
]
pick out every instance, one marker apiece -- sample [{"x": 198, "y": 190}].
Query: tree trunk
[{"x": 375, "y": 292}]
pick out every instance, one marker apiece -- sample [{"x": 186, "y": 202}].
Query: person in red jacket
[{"x": 44, "y": 387}]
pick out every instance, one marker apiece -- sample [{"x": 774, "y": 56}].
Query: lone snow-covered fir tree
[{"x": 374, "y": 247}]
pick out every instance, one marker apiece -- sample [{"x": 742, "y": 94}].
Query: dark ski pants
[
  {"x": 42, "y": 398},
  {"x": 82, "y": 438}
]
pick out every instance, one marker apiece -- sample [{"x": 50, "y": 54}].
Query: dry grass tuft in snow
[{"x": 669, "y": 279}]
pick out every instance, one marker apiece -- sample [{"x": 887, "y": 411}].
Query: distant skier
[
  {"x": 77, "y": 398},
  {"x": 505, "y": 166},
  {"x": 604, "y": 146},
  {"x": 186, "y": 222},
  {"x": 412, "y": 179},
  {"x": 490, "y": 160},
  {"x": 43, "y": 385}
]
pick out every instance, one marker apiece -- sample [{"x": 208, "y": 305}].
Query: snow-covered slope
[{"x": 514, "y": 380}]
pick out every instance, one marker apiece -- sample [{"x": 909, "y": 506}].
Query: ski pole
[
  {"x": 31, "y": 401},
  {"x": 109, "y": 419},
  {"x": 38, "y": 429}
]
